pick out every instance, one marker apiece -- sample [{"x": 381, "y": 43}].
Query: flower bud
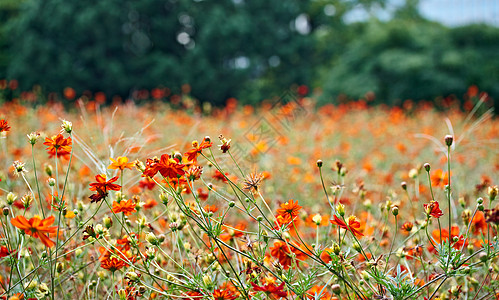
[
  {"x": 152, "y": 239},
  {"x": 403, "y": 184},
  {"x": 357, "y": 247},
  {"x": 11, "y": 198},
  {"x": 448, "y": 140},
  {"x": 317, "y": 219},
  {"x": 427, "y": 167},
  {"x": 493, "y": 191},
  {"x": 108, "y": 222},
  {"x": 336, "y": 249},
  {"x": 319, "y": 163},
  {"x": 48, "y": 170},
  {"x": 340, "y": 208},
  {"x": 67, "y": 126},
  {"x": 5, "y": 211},
  {"x": 395, "y": 210},
  {"x": 51, "y": 181},
  {"x": 336, "y": 288}
]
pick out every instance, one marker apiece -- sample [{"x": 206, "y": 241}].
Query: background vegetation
[{"x": 250, "y": 50}]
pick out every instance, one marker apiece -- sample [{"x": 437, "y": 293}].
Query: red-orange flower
[
  {"x": 439, "y": 178},
  {"x": 353, "y": 225},
  {"x": 104, "y": 185},
  {"x": 112, "y": 263},
  {"x": 36, "y": 227},
  {"x": 167, "y": 166},
  {"x": 433, "y": 209},
  {"x": 192, "y": 154},
  {"x": 223, "y": 294},
  {"x": 126, "y": 207},
  {"x": 445, "y": 236},
  {"x": 478, "y": 223},
  {"x": 120, "y": 163},
  {"x": 4, "y": 126},
  {"x": 290, "y": 208},
  {"x": 271, "y": 289},
  {"x": 58, "y": 145}
]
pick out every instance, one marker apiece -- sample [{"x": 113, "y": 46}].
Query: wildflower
[
  {"x": 126, "y": 207},
  {"x": 353, "y": 225},
  {"x": 147, "y": 183},
  {"x": 4, "y": 251},
  {"x": 221, "y": 176},
  {"x": 225, "y": 144},
  {"x": 223, "y": 294},
  {"x": 167, "y": 166},
  {"x": 290, "y": 208},
  {"x": 194, "y": 173},
  {"x": 36, "y": 227},
  {"x": 120, "y": 163},
  {"x": 271, "y": 289},
  {"x": 433, "y": 209},
  {"x": 479, "y": 224},
  {"x": 19, "y": 168},
  {"x": 33, "y": 137},
  {"x": 407, "y": 226},
  {"x": 253, "y": 182},
  {"x": 58, "y": 146},
  {"x": 454, "y": 235},
  {"x": 112, "y": 263},
  {"x": 439, "y": 178},
  {"x": 104, "y": 185},
  {"x": 197, "y": 149},
  {"x": 4, "y": 126},
  {"x": 67, "y": 126}
]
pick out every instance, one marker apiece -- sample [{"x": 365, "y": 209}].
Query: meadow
[{"x": 287, "y": 200}]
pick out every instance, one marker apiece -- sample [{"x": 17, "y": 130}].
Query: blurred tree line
[{"x": 249, "y": 49}]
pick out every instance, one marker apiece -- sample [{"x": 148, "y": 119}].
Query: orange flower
[
  {"x": 445, "y": 236},
  {"x": 120, "y": 163},
  {"x": 167, "y": 166},
  {"x": 353, "y": 225},
  {"x": 439, "y": 178},
  {"x": 223, "y": 294},
  {"x": 36, "y": 227},
  {"x": 103, "y": 185},
  {"x": 112, "y": 263},
  {"x": 58, "y": 145},
  {"x": 126, "y": 207},
  {"x": 192, "y": 154},
  {"x": 290, "y": 208},
  {"x": 433, "y": 209},
  {"x": 234, "y": 232},
  {"x": 478, "y": 223},
  {"x": 4, "y": 126}
]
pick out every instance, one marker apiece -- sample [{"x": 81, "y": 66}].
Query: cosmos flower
[{"x": 36, "y": 227}]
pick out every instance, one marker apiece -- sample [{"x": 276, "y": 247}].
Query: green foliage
[
  {"x": 114, "y": 46},
  {"x": 415, "y": 59}
]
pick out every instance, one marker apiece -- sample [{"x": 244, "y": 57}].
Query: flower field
[{"x": 282, "y": 201}]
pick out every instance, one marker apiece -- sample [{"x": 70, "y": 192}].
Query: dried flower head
[{"x": 253, "y": 181}]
